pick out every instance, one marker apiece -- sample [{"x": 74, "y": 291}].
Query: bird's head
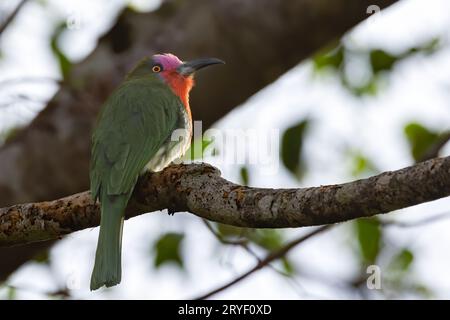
[{"x": 174, "y": 72}]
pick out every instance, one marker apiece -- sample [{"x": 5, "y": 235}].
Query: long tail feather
[{"x": 108, "y": 266}]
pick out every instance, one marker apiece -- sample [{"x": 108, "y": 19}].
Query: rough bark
[
  {"x": 259, "y": 39},
  {"x": 199, "y": 189}
]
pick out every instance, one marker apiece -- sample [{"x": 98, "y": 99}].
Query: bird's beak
[{"x": 189, "y": 67}]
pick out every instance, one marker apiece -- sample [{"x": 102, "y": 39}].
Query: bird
[{"x": 133, "y": 135}]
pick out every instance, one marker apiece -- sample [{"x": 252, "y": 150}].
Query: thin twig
[
  {"x": 11, "y": 17},
  {"x": 221, "y": 239},
  {"x": 268, "y": 259},
  {"x": 244, "y": 244},
  {"x": 434, "y": 150}
]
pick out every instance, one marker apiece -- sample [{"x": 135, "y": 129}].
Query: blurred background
[{"x": 348, "y": 91}]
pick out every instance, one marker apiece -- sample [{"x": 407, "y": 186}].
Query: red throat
[{"x": 181, "y": 86}]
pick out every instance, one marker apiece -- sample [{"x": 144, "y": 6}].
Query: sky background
[{"x": 418, "y": 89}]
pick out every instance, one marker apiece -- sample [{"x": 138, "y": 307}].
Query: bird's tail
[{"x": 108, "y": 267}]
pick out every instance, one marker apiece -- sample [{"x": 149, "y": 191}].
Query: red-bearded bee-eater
[{"x": 133, "y": 135}]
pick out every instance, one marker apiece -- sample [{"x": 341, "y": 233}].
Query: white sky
[{"x": 418, "y": 89}]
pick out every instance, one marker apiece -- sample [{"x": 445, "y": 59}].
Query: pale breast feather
[{"x": 175, "y": 146}]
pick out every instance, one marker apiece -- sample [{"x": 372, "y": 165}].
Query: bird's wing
[{"x": 134, "y": 123}]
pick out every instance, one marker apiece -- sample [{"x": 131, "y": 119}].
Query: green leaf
[
  {"x": 329, "y": 59},
  {"x": 381, "y": 60},
  {"x": 244, "y": 176},
  {"x": 423, "y": 290},
  {"x": 269, "y": 239},
  {"x": 168, "y": 249},
  {"x": 198, "y": 148},
  {"x": 288, "y": 267},
  {"x": 368, "y": 232},
  {"x": 227, "y": 231},
  {"x": 402, "y": 260},
  {"x": 426, "y": 48},
  {"x": 371, "y": 88},
  {"x": 42, "y": 257},
  {"x": 64, "y": 63},
  {"x": 291, "y": 148},
  {"x": 361, "y": 165},
  {"x": 11, "y": 293},
  {"x": 420, "y": 139}
]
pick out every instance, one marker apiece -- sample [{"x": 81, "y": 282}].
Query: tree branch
[{"x": 199, "y": 189}]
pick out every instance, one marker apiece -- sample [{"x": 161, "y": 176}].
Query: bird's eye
[{"x": 156, "y": 69}]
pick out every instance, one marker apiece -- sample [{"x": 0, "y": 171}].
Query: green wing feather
[{"x": 134, "y": 123}]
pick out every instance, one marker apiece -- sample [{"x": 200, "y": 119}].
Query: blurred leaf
[
  {"x": 423, "y": 290},
  {"x": 168, "y": 249},
  {"x": 399, "y": 277},
  {"x": 198, "y": 152},
  {"x": 42, "y": 257},
  {"x": 420, "y": 139},
  {"x": 369, "y": 89},
  {"x": 269, "y": 239},
  {"x": 228, "y": 231},
  {"x": 64, "y": 63},
  {"x": 329, "y": 59},
  {"x": 287, "y": 266},
  {"x": 402, "y": 260},
  {"x": 244, "y": 176},
  {"x": 431, "y": 46},
  {"x": 427, "y": 48},
  {"x": 361, "y": 165},
  {"x": 381, "y": 60},
  {"x": 11, "y": 293},
  {"x": 291, "y": 148},
  {"x": 368, "y": 232}
]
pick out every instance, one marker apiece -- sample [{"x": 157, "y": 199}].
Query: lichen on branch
[{"x": 200, "y": 190}]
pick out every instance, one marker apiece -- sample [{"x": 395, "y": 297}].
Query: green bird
[{"x": 133, "y": 134}]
